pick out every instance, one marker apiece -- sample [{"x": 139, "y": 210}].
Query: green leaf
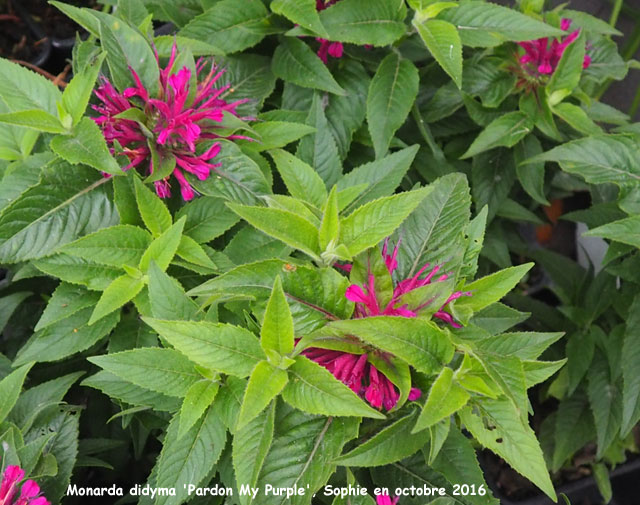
[
  {"x": 265, "y": 383},
  {"x": 605, "y": 402},
  {"x": 302, "y": 12},
  {"x": 498, "y": 427},
  {"x": 302, "y": 181},
  {"x": 250, "y": 447},
  {"x": 391, "y": 444},
  {"x": 83, "y": 16},
  {"x": 189, "y": 459},
  {"x": 189, "y": 250},
  {"x": 630, "y": 366},
  {"x": 506, "y": 131},
  {"x": 530, "y": 175},
  {"x": 8, "y": 305},
  {"x": 483, "y": 24},
  {"x": 493, "y": 287},
  {"x": 377, "y": 219},
  {"x": 220, "y": 347},
  {"x": 115, "y": 246},
  {"x": 319, "y": 150},
  {"x": 443, "y": 42},
  {"x": 131, "y": 394},
  {"x": 292, "y": 229},
  {"x": 573, "y": 428},
  {"x": 196, "y": 401},
  {"x": 22, "y": 89},
  {"x": 38, "y": 120},
  {"x": 498, "y": 317},
  {"x": 78, "y": 271},
  {"x": 272, "y": 134},
  {"x": 294, "y": 61},
  {"x": 625, "y": 230},
  {"x": 207, "y": 218},
  {"x": 67, "y": 203},
  {"x": 509, "y": 375},
  {"x": 457, "y": 461},
  {"x": 239, "y": 179},
  {"x": 381, "y": 177},
  {"x": 163, "y": 248},
  {"x": 168, "y": 299},
  {"x": 302, "y": 453},
  {"x": 374, "y": 22},
  {"x": 126, "y": 47},
  {"x": 419, "y": 342},
  {"x": 525, "y": 345},
  {"x": 76, "y": 94},
  {"x": 10, "y": 388},
  {"x": 277, "y": 326},
  {"x": 229, "y": 28},
  {"x": 566, "y": 75},
  {"x": 314, "y": 389},
  {"x": 577, "y": 118},
  {"x": 87, "y": 146},
  {"x": 66, "y": 300},
  {"x": 445, "y": 398},
  {"x": 599, "y": 159},
  {"x": 434, "y": 232},
  {"x": 66, "y": 337},
  {"x": 161, "y": 370},
  {"x": 393, "y": 90},
  {"x": 119, "y": 292},
  {"x": 329, "y": 231},
  {"x": 154, "y": 213}
]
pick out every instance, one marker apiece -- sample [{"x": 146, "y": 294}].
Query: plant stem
[
  {"x": 617, "y": 6},
  {"x": 635, "y": 104},
  {"x": 424, "y": 130}
]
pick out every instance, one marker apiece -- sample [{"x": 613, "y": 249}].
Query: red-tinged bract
[{"x": 10, "y": 485}]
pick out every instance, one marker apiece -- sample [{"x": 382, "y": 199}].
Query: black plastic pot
[
  {"x": 38, "y": 34},
  {"x": 624, "y": 482}
]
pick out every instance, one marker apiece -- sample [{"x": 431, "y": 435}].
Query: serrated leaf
[
  {"x": 66, "y": 300},
  {"x": 419, "y": 342},
  {"x": 302, "y": 180},
  {"x": 154, "y": 213},
  {"x": 493, "y": 287},
  {"x": 393, "y": 90},
  {"x": 393, "y": 443},
  {"x": 566, "y": 75},
  {"x": 375, "y": 220},
  {"x": 8, "y": 305},
  {"x": 443, "y": 41},
  {"x": 314, "y": 389},
  {"x": 188, "y": 460},
  {"x": 530, "y": 175},
  {"x": 250, "y": 447},
  {"x": 10, "y": 388},
  {"x": 265, "y": 383},
  {"x": 294, "y": 61},
  {"x": 163, "y": 248},
  {"x": 168, "y": 299},
  {"x": 374, "y": 22},
  {"x": 276, "y": 333},
  {"x": 66, "y": 337},
  {"x": 506, "y": 131},
  {"x": 445, "y": 398},
  {"x": 22, "y": 89},
  {"x": 78, "y": 271},
  {"x": 510, "y": 438},
  {"x": 605, "y": 403},
  {"x": 573, "y": 428},
  {"x": 302, "y": 12},
  {"x": 196, "y": 401},
  {"x": 114, "y": 246},
  {"x": 120, "y": 291},
  {"x": 626, "y": 231},
  {"x": 207, "y": 218},
  {"x": 38, "y": 120},
  {"x": 292, "y": 229},
  {"x": 630, "y": 364},
  {"x": 229, "y": 28},
  {"x": 161, "y": 370},
  {"x": 220, "y": 347}
]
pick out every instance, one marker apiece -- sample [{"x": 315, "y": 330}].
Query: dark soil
[
  {"x": 16, "y": 40},
  {"x": 54, "y": 22}
]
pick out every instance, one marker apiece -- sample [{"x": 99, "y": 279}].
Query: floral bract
[
  {"x": 542, "y": 58},
  {"x": 10, "y": 485},
  {"x": 180, "y": 123}
]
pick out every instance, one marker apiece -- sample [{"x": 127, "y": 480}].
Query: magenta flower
[
  {"x": 366, "y": 298},
  {"x": 11, "y": 479},
  {"x": 385, "y": 499},
  {"x": 328, "y": 48},
  {"x": 180, "y": 123},
  {"x": 542, "y": 58}
]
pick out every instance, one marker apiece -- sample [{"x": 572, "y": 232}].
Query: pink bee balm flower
[
  {"x": 366, "y": 299},
  {"x": 328, "y": 48},
  {"x": 181, "y": 122},
  {"x": 11, "y": 479},
  {"x": 542, "y": 58},
  {"x": 385, "y": 499}
]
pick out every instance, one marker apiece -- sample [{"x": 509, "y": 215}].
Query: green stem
[
  {"x": 617, "y": 6},
  {"x": 424, "y": 130},
  {"x": 635, "y": 104}
]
